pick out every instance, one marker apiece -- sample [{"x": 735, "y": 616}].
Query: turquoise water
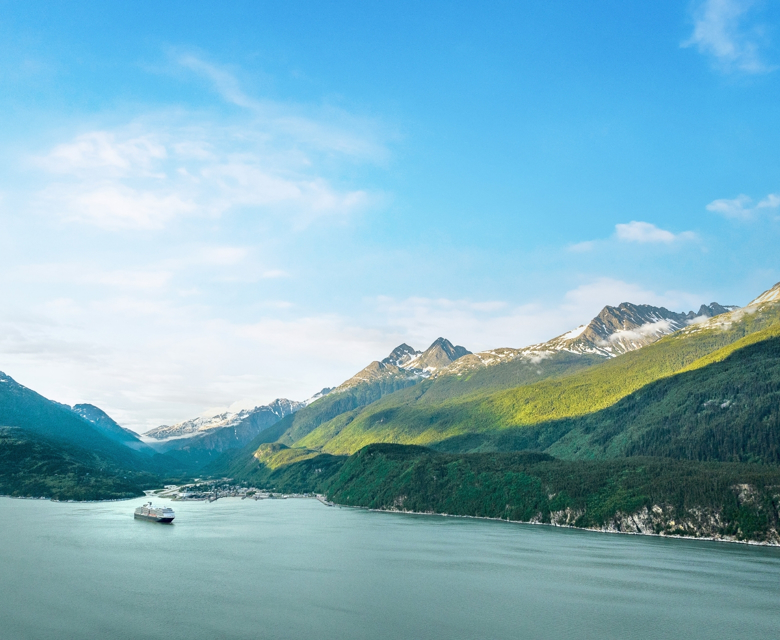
[{"x": 297, "y": 569}]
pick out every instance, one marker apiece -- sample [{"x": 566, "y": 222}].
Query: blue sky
[{"x": 210, "y": 205}]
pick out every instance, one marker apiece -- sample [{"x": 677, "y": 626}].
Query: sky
[{"x": 207, "y": 205}]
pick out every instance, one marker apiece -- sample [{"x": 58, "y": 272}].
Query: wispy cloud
[
  {"x": 636, "y": 232},
  {"x": 743, "y": 208},
  {"x": 646, "y": 232},
  {"x": 199, "y": 263},
  {"x": 224, "y": 82},
  {"x": 102, "y": 151},
  {"x": 146, "y": 175},
  {"x": 273, "y": 158},
  {"x": 721, "y": 30},
  {"x": 485, "y": 325},
  {"x": 326, "y": 128}
]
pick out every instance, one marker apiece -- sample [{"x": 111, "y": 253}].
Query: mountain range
[
  {"x": 636, "y": 382},
  {"x": 661, "y": 438},
  {"x": 199, "y": 440}
]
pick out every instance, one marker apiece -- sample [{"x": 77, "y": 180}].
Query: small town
[{"x": 214, "y": 490}]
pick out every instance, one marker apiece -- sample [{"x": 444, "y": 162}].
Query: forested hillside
[
  {"x": 454, "y": 423},
  {"x": 31, "y": 465}
]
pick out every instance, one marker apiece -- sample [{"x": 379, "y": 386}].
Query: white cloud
[
  {"x": 101, "y": 151},
  {"x": 582, "y": 247},
  {"x": 115, "y": 206},
  {"x": 651, "y": 329},
  {"x": 479, "y": 325},
  {"x": 720, "y": 31},
  {"x": 149, "y": 279},
  {"x": 225, "y": 83},
  {"x": 589, "y": 298},
  {"x": 147, "y": 176},
  {"x": 330, "y": 129},
  {"x": 272, "y": 158},
  {"x": 637, "y": 232},
  {"x": 150, "y": 359},
  {"x": 645, "y": 232},
  {"x": 742, "y": 207}
]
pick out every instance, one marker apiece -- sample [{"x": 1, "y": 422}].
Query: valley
[{"x": 642, "y": 421}]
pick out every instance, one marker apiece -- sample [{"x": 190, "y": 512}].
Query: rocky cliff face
[{"x": 666, "y": 520}]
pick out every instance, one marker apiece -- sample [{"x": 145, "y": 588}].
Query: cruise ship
[{"x": 154, "y": 514}]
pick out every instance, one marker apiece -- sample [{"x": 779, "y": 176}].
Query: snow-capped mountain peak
[
  {"x": 615, "y": 330},
  {"x": 404, "y": 361},
  {"x": 771, "y": 295},
  {"x": 280, "y": 407}
]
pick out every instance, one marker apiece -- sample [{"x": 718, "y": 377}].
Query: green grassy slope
[
  {"x": 340, "y": 408},
  {"x": 302, "y": 422},
  {"x": 503, "y": 376},
  {"x": 292, "y": 470},
  {"x": 454, "y": 423},
  {"x": 33, "y": 466},
  {"x": 506, "y": 375}
]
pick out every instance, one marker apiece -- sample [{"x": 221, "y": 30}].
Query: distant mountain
[
  {"x": 266, "y": 414},
  {"x": 24, "y": 408},
  {"x": 106, "y": 425},
  {"x": 628, "y": 327},
  {"x": 404, "y": 367},
  {"x": 406, "y": 362},
  {"x": 456, "y": 416},
  {"x": 49, "y": 449},
  {"x": 198, "y": 441},
  {"x": 771, "y": 295},
  {"x": 614, "y": 331}
]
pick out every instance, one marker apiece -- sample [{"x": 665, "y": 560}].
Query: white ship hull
[{"x": 163, "y": 515}]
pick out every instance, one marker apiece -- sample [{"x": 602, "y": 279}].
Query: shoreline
[
  {"x": 755, "y": 543},
  {"x": 325, "y": 502}
]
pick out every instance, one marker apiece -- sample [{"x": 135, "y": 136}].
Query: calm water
[{"x": 297, "y": 569}]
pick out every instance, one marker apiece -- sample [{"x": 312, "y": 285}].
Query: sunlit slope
[
  {"x": 466, "y": 387},
  {"x": 511, "y": 374},
  {"x": 727, "y": 409},
  {"x": 303, "y": 422},
  {"x": 452, "y": 424},
  {"x": 299, "y": 424}
]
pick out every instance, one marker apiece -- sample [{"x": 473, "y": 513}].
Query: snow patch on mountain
[
  {"x": 614, "y": 331},
  {"x": 196, "y": 426},
  {"x": 408, "y": 363},
  {"x": 771, "y": 295}
]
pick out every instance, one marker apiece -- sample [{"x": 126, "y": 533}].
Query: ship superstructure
[{"x": 154, "y": 514}]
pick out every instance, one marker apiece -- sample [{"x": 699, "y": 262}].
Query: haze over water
[{"x": 297, "y": 569}]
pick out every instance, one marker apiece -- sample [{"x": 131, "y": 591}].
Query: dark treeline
[
  {"x": 33, "y": 466},
  {"x": 728, "y": 411},
  {"x": 690, "y": 498}
]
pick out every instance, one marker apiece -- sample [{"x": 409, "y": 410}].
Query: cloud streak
[
  {"x": 639, "y": 233},
  {"x": 742, "y": 207},
  {"x": 720, "y": 32},
  {"x": 149, "y": 360},
  {"x": 145, "y": 176},
  {"x": 648, "y": 233},
  {"x": 270, "y": 158}
]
